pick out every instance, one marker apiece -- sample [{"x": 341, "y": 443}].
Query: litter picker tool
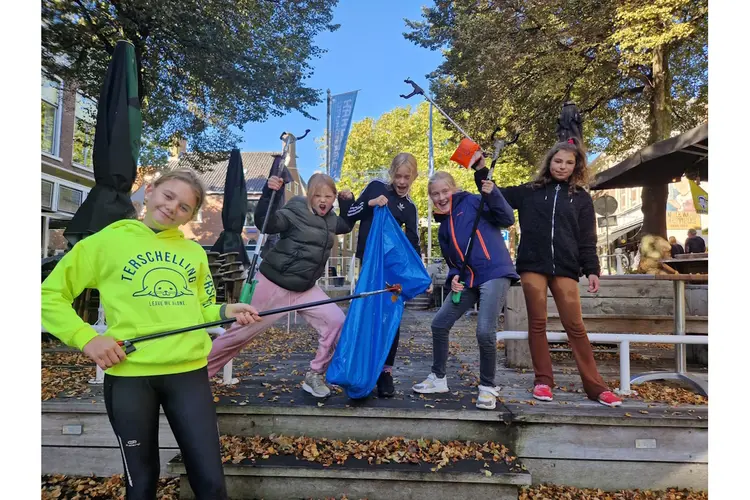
[
  {"x": 130, "y": 347},
  {"x": 468, "y": 146},
  {"x": 499, "y": 146},
  {"x": 417, "y": 90},
  {"x": 248, "y": 289}
]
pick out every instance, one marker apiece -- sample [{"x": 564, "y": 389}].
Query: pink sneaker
[
  {"x": 542, "y": 392},
  {"x": 608, "y": 398}
]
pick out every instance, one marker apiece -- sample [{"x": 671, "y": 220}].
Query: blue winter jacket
[{"x": 489, "y": 257}]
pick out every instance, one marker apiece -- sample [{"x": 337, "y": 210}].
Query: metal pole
[
  {"x": 609, "y": 267},
  {"x": 625, "y": 368},
  {"x": 679, "y": 325},
  {"x": 328, "y": 159},
  {"x": 328, "y": 133},
  {"x": 45, "y": 236},
  {"x": 431, "y": 170}
]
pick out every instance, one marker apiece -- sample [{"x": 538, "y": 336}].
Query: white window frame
[
  {"x": 75, "y": 122},
  {"x": 52, "y": 198},
  {"x": 57, "y": 182},
  {"x": 55, "y": 154}
]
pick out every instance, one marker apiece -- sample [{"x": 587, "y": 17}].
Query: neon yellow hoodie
[{"x": 149, "y": 282}]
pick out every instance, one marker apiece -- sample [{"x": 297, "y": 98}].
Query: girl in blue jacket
[{"x": 488, "y": 275}]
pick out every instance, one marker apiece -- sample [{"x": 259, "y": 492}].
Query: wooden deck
[{"x": 569, "y": 441}]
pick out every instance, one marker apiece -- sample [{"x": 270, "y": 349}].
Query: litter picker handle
[{"x": 129, "y": 347}]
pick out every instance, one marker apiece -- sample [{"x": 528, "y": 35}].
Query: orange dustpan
[{"x": 464, "y": 152}]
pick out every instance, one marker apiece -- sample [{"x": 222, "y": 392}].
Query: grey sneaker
[{"x": 314, "y": 385}]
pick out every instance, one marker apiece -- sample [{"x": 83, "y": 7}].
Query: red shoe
[
  {"x": 542, "y": 392},
  {"x": 607, "y": 398}
]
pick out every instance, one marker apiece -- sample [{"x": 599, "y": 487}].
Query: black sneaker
[{"x": 385, "y": 385}]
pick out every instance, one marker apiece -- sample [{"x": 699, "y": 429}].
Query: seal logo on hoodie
[{"x": 163, "y": 283}]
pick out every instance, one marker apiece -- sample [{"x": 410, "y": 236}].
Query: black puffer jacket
[
  {"x": 298, "y": 260},
  {"x": 558, "y": 229}
]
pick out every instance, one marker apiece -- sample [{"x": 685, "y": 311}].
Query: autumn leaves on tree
[{"x": 636, "y": 68}]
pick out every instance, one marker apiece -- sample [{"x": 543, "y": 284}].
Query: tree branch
[
  {"x": 97, "y": 29},
  {"x": 622, "y": 93}
]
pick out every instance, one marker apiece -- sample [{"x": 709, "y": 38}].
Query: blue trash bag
[{"x": 371, "y": 323}]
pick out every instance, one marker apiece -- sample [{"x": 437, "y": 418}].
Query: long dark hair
[{"x": 580, "y": 176}]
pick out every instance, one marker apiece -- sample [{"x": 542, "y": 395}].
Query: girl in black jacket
[{"x": 558, "y": 245}]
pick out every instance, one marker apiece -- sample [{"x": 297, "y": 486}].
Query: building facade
[
  {"x": 207, "y": 226},
  {"x": 67, "y": 175}
]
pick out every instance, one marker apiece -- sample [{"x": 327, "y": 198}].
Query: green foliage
[
  {"x": 515, "y": 63},
  {"x": 373, "y": 143},
  {"x": 206, "y": 67}
]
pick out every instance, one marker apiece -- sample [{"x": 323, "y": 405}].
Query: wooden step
[{"x": 284, "y": 476}]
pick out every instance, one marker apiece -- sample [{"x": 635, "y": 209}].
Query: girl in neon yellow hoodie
[{"x": 150, "y": 279}]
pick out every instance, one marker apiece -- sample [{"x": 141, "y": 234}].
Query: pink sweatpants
[{"x": 327, "y": 319}]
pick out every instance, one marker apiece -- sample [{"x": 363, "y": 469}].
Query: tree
[
  {"x": 205, "y": 67},
  {"x": 373, "y": 143},
  {"x": 636, "y": 68}
]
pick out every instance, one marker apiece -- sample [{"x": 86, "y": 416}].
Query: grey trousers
[{"x": 491, "y": 297}]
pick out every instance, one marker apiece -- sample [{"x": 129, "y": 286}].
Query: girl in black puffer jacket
[
  {"x": 558, "y": 245},
  {"x": 289, "y": 272}
]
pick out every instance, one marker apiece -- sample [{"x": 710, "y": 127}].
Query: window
[
  {"x": 622, "y": 201},
  {"x": 296, "y": 189},
  {"x": 51, "y": 106},
  {"x": 250, "y": 216},
  {"x": 47, "y": 190},
  {"x": 83, "y": 134},
  {"x": 289, "y": 187},
  {"x": 69, "y": 199},
  {"x": 634, "y": 196}
]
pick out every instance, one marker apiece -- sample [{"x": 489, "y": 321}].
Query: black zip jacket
[
  {"x": 558, "y": 229},
  {"x": 403, "y": 210}
]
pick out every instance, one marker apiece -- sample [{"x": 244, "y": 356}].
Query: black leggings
[
  {"x": 133, "y": 410},
  {"x": 391, "y": 359}
]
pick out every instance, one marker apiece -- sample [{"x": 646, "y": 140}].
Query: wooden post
[{"x": 517, "y": 353}]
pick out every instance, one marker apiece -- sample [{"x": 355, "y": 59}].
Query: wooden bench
[
  {"x": 620, "y": 306},
  {"x": 623, "y": 340}
]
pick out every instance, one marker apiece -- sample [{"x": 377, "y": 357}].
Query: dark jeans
[
  {"x": 133, "y": 410},
  {"x": 491, "y": 296}
]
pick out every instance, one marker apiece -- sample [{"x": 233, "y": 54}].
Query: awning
[
  {"x": 661, "y": 162},
  {"x": 613, "y": 235}
]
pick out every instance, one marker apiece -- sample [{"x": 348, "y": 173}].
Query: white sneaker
[
  {"x": 432, "y": 385},
  {"x": 487, "y": 399},
  {"x": 314, "y": 385}
]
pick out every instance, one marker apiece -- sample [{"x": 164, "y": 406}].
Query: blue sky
[{"x": 367, "y": 53}]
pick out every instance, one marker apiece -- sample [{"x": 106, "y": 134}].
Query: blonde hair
[
  {"x": 188, "y": 176},
  {"x": 402, "y": 159},
  {"x": 441, "y": 176},
  {"x": 316, "y": 182}
]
